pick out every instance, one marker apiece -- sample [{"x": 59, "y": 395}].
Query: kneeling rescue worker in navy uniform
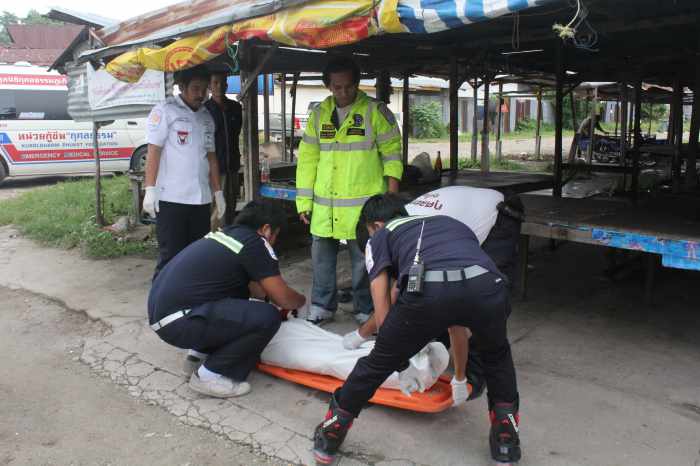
[
  {"x": 200, "y": 300},
  {"x": 438, "y": 286}
]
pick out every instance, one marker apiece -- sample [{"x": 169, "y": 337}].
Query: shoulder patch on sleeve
[
  {"x": 155, "y": 118},
  {"x": 369, "y": 260},
  {"x": 388, "y": 114},
  {"x": 269, "y": 248}
]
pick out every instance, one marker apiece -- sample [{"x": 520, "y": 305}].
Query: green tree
[
  {"x": 426, "y": 121},
  {"x": 6, "y": 18},
  {"x": 33, "y": 17}
]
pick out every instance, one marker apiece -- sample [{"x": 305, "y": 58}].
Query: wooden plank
[
  {"x": 406, "y": 118},
  {"x": 283, "y": 112},
  {"x": 485, "y": 155},
  {"x": 500, "y": 119},
  {"x": 538, "y": 124},
  {"x": 454, "y": 113},
  {"x": 678, "y": 141},
  {"x": 558, "y": 119},
  {"x": 475, "y": 120},
  {"x": 637, "y": 137}
]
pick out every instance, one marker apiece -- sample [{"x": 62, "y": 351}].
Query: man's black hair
[
  {"x": 185, "y": 77},
  {"x": 378, "y": 208},
  {"x": 258, "y": 213},
  {"x": 339, "y": 65}
]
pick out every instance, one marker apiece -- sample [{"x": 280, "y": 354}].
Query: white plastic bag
[{"x": 301, "y": 345}]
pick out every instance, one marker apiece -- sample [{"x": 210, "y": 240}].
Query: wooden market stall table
[{"x": 665, "y": 227}]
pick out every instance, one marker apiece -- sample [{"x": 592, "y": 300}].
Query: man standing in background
[{"x": 228, "y": 119}]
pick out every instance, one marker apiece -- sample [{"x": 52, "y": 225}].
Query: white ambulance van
[{"x": 38, "y": 137}]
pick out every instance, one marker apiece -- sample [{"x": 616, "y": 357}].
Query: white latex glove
[
  {"x": 409, "y": 381},
  {"x": 353, "y": 340},
  {"x": 150, "y": 201},
  {"x": 460, "y": 392},
  {"x": 220, "y": 204}
]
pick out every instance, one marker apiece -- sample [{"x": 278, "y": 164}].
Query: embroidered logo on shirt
[
  {"x": 327, "y": 127},
  {"x": 154, "y": 118},
  {"x": 183, "y": 137},
  {"x": 327, "y": 134},
  {"x": 357, "y": 120}
]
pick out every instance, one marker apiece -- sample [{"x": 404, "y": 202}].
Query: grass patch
[{"x": 63, "y": 216}]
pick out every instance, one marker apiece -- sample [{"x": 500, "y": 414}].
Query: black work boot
[
  {"x": 329, "y": 434},
  {"x": 504, "y": 439}
]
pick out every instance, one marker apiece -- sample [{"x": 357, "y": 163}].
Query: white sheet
[{"x": 302, "y": 345}]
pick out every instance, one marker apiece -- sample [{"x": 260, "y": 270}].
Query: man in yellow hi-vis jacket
[{"x": 351, "y": 150}]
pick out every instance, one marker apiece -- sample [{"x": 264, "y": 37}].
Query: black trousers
[
  {"x": 177, "y": 226},
  {"x": 233, "y": 332},
  {"x": 482, "y": 304}
]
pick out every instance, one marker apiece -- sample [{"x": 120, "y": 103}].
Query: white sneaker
[
  {"x": 318, "y": 315},
  {"x": 220, "y": 387},
  {"x": 361, "y": 317}
]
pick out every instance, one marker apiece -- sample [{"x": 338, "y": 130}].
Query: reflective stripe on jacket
[{"x": 339, "y": 169}]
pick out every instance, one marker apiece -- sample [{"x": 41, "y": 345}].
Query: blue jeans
[{"x": 324, "y": 291}]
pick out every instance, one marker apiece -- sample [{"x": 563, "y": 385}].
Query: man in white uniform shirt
[{"x": 181, "y": 167}]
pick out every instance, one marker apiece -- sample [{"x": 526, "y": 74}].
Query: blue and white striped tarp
[{"x": 428, "y": 16}]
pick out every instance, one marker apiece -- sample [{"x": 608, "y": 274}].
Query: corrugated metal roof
[
  {"x": 188, "y": 17},
  {"x": 42, "y": 36},
  {"x": 79, "y": 106},
  {"x": 67, "y": 15}
]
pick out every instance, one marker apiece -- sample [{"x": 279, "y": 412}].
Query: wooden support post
[
  {"x": 283, "y": 112},
  {"x": 249, "y": 70},
  {"x": 691, "y": 177},
  {"x": 454, "y": 115},
  {"x": 671, "y": 127},
  {"x": 99, "y": 217},
  {"x": 574, "y": 142},
  {"x": 591, "y": 127},
  {"x": 293, "y": 91},
  {"x": 406, "y": 118},
  {"x": 617, "y": 117},
  {"x": 485, "y": 155},
  {"x": 624, "y": 97},
  {"x": 266, "y": 109},
  {"x": 475, "y": 120},
  {"x": 500, "y": 122},
  {"x": 678, "y": 136},
  {"x": 558, "y": 119},
  {"x": 538, "y": 124},
  {"x": 383, "y": 86},
  {"x": 637, "y": 138}
]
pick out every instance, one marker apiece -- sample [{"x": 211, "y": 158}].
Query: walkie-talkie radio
[{"x": 417, "y": 271}]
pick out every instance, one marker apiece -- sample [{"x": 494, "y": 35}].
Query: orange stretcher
[{"x": 435, "y": 400}]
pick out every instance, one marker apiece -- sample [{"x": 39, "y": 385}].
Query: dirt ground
[{"x": 55, "y": 412}]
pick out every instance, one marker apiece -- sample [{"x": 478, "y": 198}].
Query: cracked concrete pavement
[{"x": 603, "y": 381}]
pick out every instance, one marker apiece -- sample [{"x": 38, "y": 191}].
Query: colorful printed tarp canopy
[{"x": 318, "y": 24}]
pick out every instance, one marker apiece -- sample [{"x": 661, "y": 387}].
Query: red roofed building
[{"x": 38, "y": 44}]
